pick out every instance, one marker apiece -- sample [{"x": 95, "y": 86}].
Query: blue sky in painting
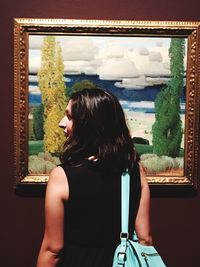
[{"x": 135, "y": 62}]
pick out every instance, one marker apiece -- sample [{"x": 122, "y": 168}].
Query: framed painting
[{"x": 153, "y": 67}]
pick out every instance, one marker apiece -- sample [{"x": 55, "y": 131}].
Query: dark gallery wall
[{"x": 175, "y": 220}]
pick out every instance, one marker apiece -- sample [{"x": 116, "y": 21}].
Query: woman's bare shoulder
[
  {"x": 143, "y": 177},
  {"x": 58, "y": 182},
  {"x": 58, "y": 172}
]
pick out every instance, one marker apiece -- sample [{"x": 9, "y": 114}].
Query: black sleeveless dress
[{"x": 92, "y": 216}]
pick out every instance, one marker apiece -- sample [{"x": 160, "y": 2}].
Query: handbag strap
[{"x": 125, "y": 195}]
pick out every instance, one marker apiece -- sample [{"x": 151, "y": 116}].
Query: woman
[{"x": 82, "y": 205}]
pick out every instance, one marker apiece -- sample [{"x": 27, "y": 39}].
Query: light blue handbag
[{"x": 130, "y": 253}]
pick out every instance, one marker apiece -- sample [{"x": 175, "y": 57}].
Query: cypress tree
[
  {"x": 167, "y": 129},
  {"x": 52, "y": 86},
  {"x": 38, "y": 122},
  {"x": 78, "y": 86}
]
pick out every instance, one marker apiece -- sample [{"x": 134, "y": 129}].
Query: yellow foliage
[
  {"x": 54, "y": 136},
  {"x": 52, "y": 86}
]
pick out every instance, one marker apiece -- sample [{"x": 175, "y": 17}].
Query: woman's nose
[{"x": 62, "y": 123}]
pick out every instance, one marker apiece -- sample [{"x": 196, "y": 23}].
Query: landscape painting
[
  {"x": 138, "y": 71},
  {"x": 152, "y": 67}
]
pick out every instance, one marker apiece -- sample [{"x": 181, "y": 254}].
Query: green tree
[
  {"x": 167, "y": 129},
  {"x": 52, "y": 86},
  {"x": 78, "y": 86},
  {"x": 38, "y": 122}
]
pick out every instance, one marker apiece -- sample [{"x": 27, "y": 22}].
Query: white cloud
[
  {"x": 139, "y": 57},
  {"x": 143, "y": 51},
  {"x": 81, "y": 66},
  {"x": 75, "y": 67},
  {"x": 78, "y": 49},
  {"x": 34, "y": 62},
  {"x": 156, "y": 69},
  {"x": 141, "y": 82},
  {"x": 34, "y": 90},
  {"x": 134, "y": 83},
  {"x": 114, "y": 52},
  {"x": 117, "y": 69},
  {"x": 33, "y": 78},
  {"x": 149, "y": 63},
  {"x": 162, "y": 50},
  {"x": 35, "y": 41},
  {"x": 155, "y": 56},
  {"x": 157, "y": 80}
]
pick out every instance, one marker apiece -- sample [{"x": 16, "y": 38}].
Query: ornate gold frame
[{"x": 189, "y": 30}]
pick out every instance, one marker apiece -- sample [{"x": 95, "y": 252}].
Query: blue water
[
  {"x": 127, "y": 96},
  {"x": 34, "y": 99}
]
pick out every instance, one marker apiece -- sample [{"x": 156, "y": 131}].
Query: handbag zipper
[
  {"x": 145, "y": 255},
  {"x": 149, "y": 254}
]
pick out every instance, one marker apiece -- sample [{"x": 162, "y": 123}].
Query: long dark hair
[{"x": 99, "y": 129}]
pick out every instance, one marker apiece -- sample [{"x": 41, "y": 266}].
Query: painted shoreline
[{"x": 140, "y": 124}]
